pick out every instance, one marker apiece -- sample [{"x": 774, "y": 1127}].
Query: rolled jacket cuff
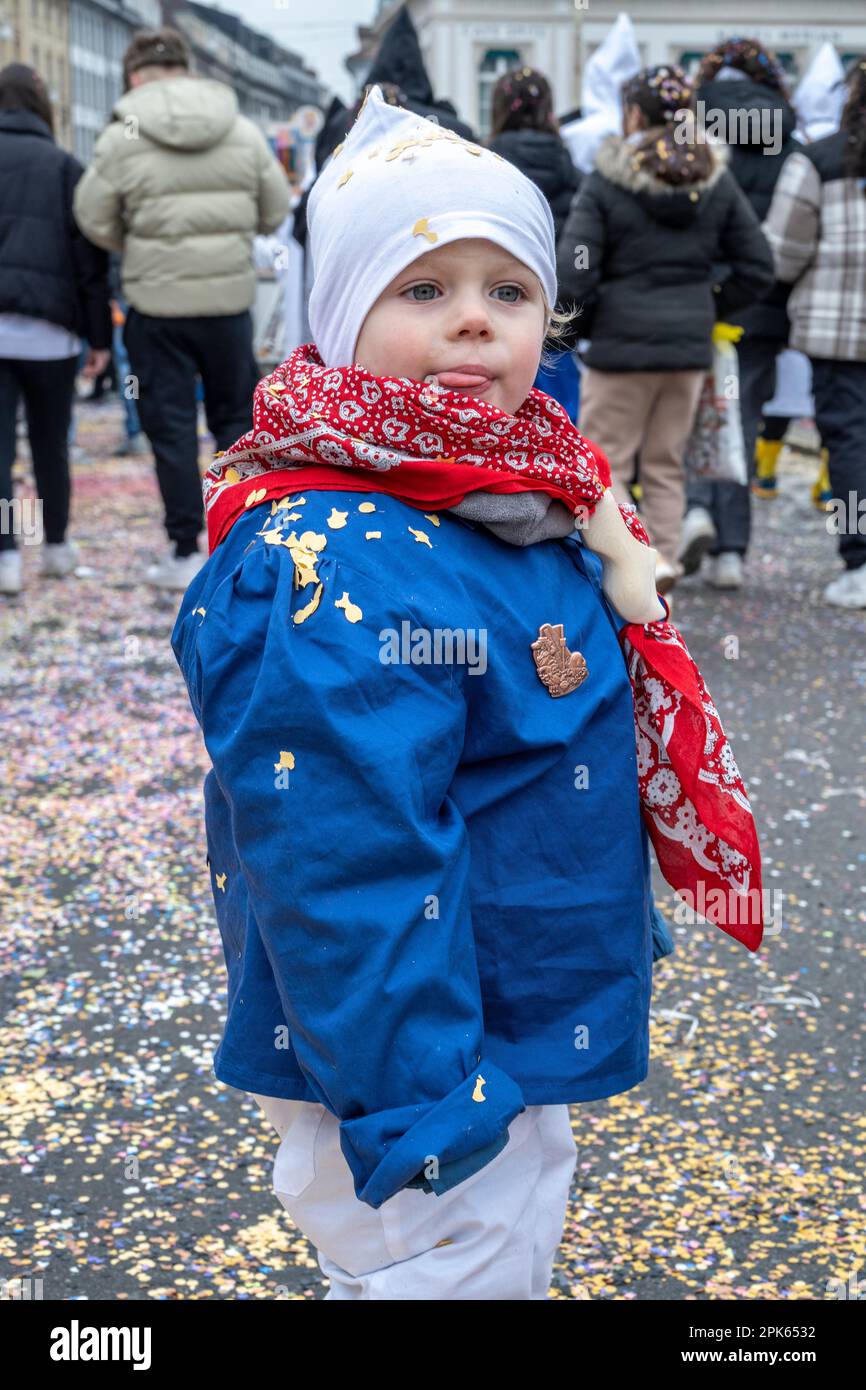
[
  {"x": 452, "y": 1174},
  {"x": 386, "y": 1149}
]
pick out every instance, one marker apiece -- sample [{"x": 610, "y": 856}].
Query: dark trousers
[
  {"x": 47, "y": 388},
  {"x": 166, "y": 354},
  {"x": 839, "y": 389},
  {"x": 729, "y": 504}
]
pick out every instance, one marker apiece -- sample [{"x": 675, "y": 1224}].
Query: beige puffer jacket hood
[{"x": 180, "y": 182}]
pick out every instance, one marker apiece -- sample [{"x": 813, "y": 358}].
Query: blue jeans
[{"x": 121, "y": 363}]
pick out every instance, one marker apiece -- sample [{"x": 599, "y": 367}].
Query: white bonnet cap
[{"x": 399, "y": 186}]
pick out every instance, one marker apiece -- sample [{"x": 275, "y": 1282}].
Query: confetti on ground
[{"x": 733, "y": 1172}]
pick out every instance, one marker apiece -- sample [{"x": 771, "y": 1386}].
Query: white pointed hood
[
  {"x": 613, "y": 63},
  {"x": 821, "y": 95}
]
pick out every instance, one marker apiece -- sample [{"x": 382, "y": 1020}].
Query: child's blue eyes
[{"x": 421, "y": 294}]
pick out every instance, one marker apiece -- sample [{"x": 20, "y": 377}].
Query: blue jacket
[{"x": 431, "y": 877}]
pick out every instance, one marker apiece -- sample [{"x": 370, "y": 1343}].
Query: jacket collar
[
  {"x": 21, "y": 122},
  {"x": 614, "y": 161}
]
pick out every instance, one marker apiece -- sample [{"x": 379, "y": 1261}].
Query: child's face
[{"x": 469, "y": 304}]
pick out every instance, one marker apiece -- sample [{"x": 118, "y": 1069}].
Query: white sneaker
[
  {"x": 173, "y": 573},
  {"x": 726, "y": 570},
  {"x": 849, "y": 590},
  {"x": 10, "y": 571},
  {"x": 698, "y": 535},
  {"x": 666, "y": 576},
  {"x": 59, "y": 559}
]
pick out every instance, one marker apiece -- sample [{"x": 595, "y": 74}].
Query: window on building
[{"x": 495, "y": 62}]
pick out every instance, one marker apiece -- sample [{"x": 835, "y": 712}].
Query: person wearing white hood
[{"x": 614, "y": 62}]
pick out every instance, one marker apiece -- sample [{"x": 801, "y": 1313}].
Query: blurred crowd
[{"x": 711, "y": 238}]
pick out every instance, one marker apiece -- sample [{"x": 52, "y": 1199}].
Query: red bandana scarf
[{"x": 343, "y": 428}]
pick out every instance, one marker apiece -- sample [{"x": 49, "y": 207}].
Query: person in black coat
[
  {"x": 743, "y": 91},
  {"x": 641, "y": 251},
  {"x": 525, "y": 131},
  {"x": 53, "y": 292}
]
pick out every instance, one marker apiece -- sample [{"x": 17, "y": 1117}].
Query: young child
[{"x": 433, "y": 769}]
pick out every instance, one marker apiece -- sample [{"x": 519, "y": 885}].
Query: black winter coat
[
  {"x": 758, "y": 146},
  {"x": 48, "y": 269},
  {"x": 649, "y": 281}
]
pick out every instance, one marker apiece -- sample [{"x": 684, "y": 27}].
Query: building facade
[
  {"x": 270, "y": 81},
  {"x": 467, "y": 46},
  {"x": 37, "y": 32},
  {"x": 78, "y": 47},
  {"x": 99, "y": 33},
  {"x": 670, "y": 31}
]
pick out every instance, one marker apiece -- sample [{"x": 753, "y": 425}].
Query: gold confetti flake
[
  {"x": 478, "y": 1094},
  {"x": 308, "y": 608},
  {"x": 471, "y": 149},
  {"x": 276, "y": 386},
  {"x": 338, "y": 148},
  {"x": 367, "y": 507},
  {"x": 257, "y": 495},
  {"x": 422, "y": 229},
  {"x": 272, "y": 537},
  {"x": 231, "y": 476},
  {"x": 372, "y": 535},
  {"x": 200, "y": 610},
  {"x": 345, "y": 179},
  {"x": 312, "y": 540},
  {"x": 286, "y": 760},
  {"x": 421, "y": 536},
  {"x": 221, "y": 882},
  {"x": 337, "y": 519},
  {"x": 432, "y": 517},
  {"x": 377, "y": 149},
  {"x": 291, "y": 502},
  {"x": 351, "y": 610},
  {"x": 305, "y": 572}
]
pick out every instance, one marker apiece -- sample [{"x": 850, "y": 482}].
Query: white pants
[{"x": 493, "y": 1236}]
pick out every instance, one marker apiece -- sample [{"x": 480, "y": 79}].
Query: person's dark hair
[
  {"x": 158, "y": 48},
  {"x": 751, "y": 58},
  {"x": 854, "y": 120},
  {"x": 659, "y": 94},
  {"x": 522, "y": 100},
  {"x": 22, "y": 89},
  {"x": 392, "y": 94}
]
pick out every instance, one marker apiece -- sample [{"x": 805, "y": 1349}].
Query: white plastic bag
[{"x": 715, "y": 452}]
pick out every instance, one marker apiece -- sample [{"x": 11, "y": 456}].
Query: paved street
[{"x": 733, "y": 1172}]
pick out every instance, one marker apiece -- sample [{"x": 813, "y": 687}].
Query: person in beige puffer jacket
[{"x": 180, "y": 183}]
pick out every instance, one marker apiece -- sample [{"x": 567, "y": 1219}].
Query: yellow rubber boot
[
  {"x": 822, "y": 493},
  {"x": 766, "y": 453}
]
